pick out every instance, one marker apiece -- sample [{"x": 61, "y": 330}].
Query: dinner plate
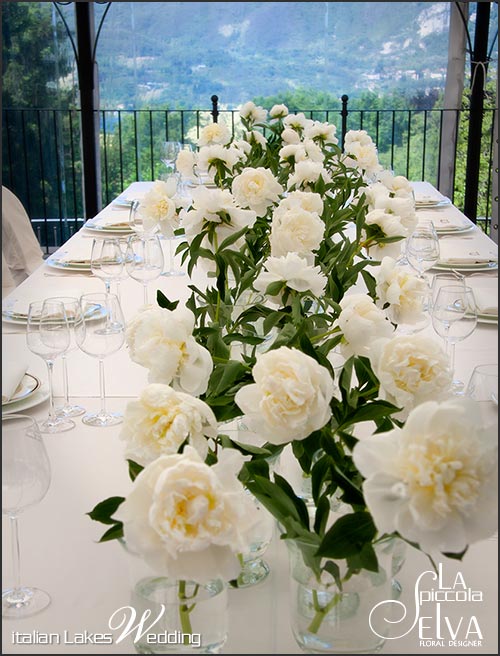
[
  {"x": 41, "y": 395},
  {"x": 67, "y": 264},
  {"x": 453, "y": 231},
  {"x": 487, "y": 318},
  {"x": 114, "y": 228},
  {"x": 430, "y": 204},
  {"x": 19, "y": 318},
  {"x": 28, "y": 386},
  {"x": 483, "y": 266}
]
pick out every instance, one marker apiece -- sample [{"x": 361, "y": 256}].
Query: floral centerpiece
[{"x": 298, "y": 240}]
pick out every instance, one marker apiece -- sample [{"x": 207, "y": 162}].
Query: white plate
[
  {"x": 454, "y": 231},
  {"x": 28, "y": 386},
  {"x": 430, "y": 204},
  {"x": 492, "y": 266},
  {"x": 9, "y": 316},
  {"x": 72, "y": 266},
  {"x": 36, "y": 398},
  {"x": 108, "y": 228},
  {"x": 487, "y": 318}
]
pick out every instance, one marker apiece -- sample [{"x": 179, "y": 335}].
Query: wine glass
[
  {"x": 444, "y": 279},
  {"x": 106, "y": 261},
  {"x": 72, "y": 309},
  {"x": 483, "y": 388},
  {"x": 144, "y": 260},
  {"x": 454, "y": 317},
  {"x": 25, "y": 481},
  {"x": 422, "y": 248},
  {"x": 168, "y": 154},
  {"x": 100, "y": 333},
  {"x": 47, "y": 335}
]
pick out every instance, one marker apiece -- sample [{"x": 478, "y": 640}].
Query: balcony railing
[{"x": 42, "y": 154}]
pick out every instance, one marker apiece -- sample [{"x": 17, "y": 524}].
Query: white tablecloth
[{"x": 88, "y": 581}]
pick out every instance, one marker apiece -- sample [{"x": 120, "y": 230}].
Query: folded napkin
[
  {"x": 476, "y": 251},
  {"x": 486, "y": 302},
  {"x": 17, "y": 303},
  {"x": 13, "y": 370},
  {"x": 425, "y": 193},
  {"x": 112, "y": 217},
  {"x": 77, "y": 252},
  {"x": 445, "y": 219}
]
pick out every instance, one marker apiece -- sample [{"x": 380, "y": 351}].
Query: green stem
[
  {"x": 315, "y": 338},
  {"x": 321, "y": 611},
  {"x": 185, "y": 610}
]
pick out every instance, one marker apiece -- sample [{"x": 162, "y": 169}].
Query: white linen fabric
[
  {"x": 13, "y": 369},
  {"x": 425, "y": 193},
  {"x": 473, "y": 251},
  {"x": 445, "y": 218},
  {"x": 20, "y": 247}
]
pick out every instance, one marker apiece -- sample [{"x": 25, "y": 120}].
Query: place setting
[{"x": 21, "y": 388}]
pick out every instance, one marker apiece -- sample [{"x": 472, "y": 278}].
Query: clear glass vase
[
  {"x": 327, "y": 619},
  {"x": 179, "y": 616},
  {"x": 194, "y": 620}
]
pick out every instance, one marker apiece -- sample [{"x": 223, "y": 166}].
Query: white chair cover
[{"x": 21, "y": 252}]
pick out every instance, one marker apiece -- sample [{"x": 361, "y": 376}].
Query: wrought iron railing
[{"x": 42, "y": 154}]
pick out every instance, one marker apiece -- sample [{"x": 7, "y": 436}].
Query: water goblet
[
  {"x": 47, "y": 335},
  {"x": 422, "y": 248},
  {"x": 106, "y": 261},
  {"x": 442, "y": 279},
  {"x": 100, "y": 334},
  {"x": 144, "y": 260},
  {"x": 483, "y": 388},
  {"x": 168, "y": 154},
  {"x": 454, "y": 317},
  {"x": 25, "y": 481},
  {"x": 72, "y": 309}
]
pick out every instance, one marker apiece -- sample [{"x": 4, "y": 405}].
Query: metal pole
[
  {"x": 215, "y": 111},
  {"x": 344, "y": 114},
  {"x": 478, "y": 78},
  {"x": 89, "y": 101}
]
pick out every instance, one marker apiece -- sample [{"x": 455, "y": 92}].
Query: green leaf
[
  {"x": 113, "y": 533},
  {"x": 348, "y": 535},
  {"x": 455, "y": 556},
  {"x": 104, "y": 510},
  {"x": 134, "y": 469},
  {"x": 164, "y": 302}
]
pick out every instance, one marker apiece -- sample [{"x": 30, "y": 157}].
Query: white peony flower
[
  {"x": 357, "y": 136},
  {"x": 289, "y": 136},
  {"x": 158, "y": 208},
  {"x": 361, "y": 322},
  {"x": 403, "y": 291},
  {"x": 307, "y": 200},
  {"x": 161, "y": 420},
  {"x": 435, "y": 480},
  {"x": 313, "y": 151},
  {"x": 162, "y": 341},
  {"x": 256, "y": 188},
  {"x": 214, "y": 133},
  {"x": 307, "y": 173},
  {"x": 185, "y": 163},
  {"x": 215, "y": 206},
  {"x": 411, "y": 369},
  {"x": 209, "y": 156},
  {"x": 391, "y": 226},
  {"x": 296, "y": 122},
  {"x": 295, "y": 230},
  {"x": 292, "y": 153},
  {"x": 290, "y": 398},
  {"x": 278, "y": 111},
  {"x": 321, "y": 132},
  {"x": 255, "y": 137},
  {"x": 188, "y": 520},
  {"x": 252, "y": 113},
  {"x": 397, "y": 185},
  {"x": 295, "y": 272},
  {"x": 363, "y": 156}
]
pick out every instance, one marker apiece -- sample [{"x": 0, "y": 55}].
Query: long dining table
[{"x": 88, "y": 581}]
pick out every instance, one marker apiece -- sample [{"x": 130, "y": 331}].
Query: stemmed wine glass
[
  {"x": 454, "y": 317},
  {"x": 144, "y": 260},
  {"x": 168, "y": 154},
  {"x": 47, "y": 335},
  {"x": 483, "y": 388},
  {"x": 25, "y": 481},
  {"x": 72, "y": 309},
  {"x": 422, "y": 248},
  {"x": 106, "y": 261},
  {"x": 100, "y": 333}
]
